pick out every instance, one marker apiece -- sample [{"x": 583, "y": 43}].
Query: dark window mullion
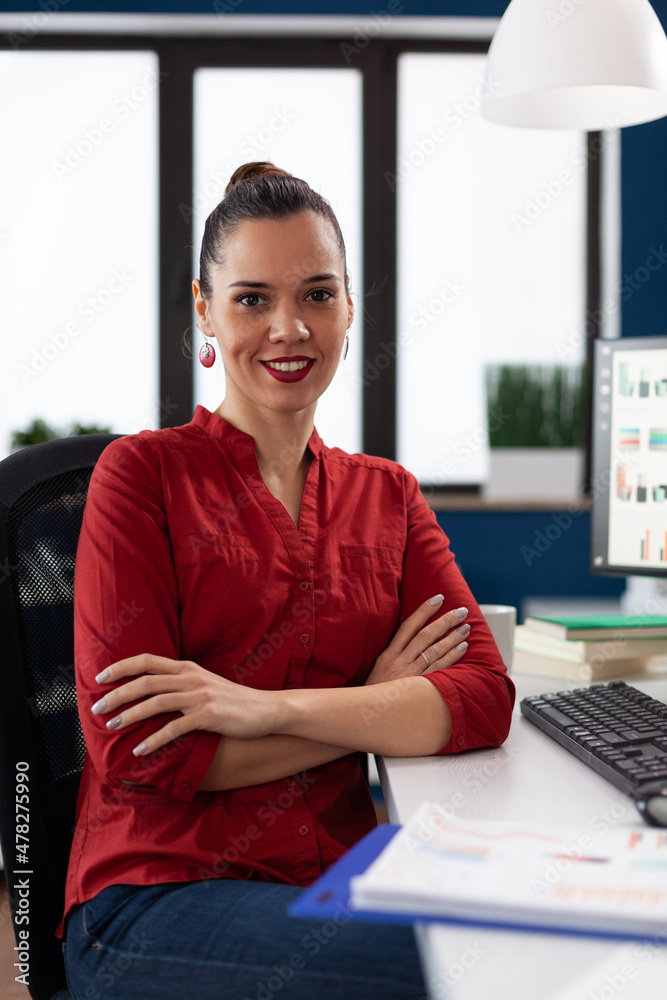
[
  {"x": 175, "y": 230},
  {"x": 592, "y": 319},
  {"x": 379, "y": 229}
]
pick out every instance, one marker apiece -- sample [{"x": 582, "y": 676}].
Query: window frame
[{"x": 178, "y": 58}]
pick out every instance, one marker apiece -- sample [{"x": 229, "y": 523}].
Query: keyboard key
[
  {"x": 632, "y": 736},
  {"x": 553, "y": 715}
]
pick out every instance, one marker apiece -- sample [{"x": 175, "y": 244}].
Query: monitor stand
[{"x": 645, "y": 595}]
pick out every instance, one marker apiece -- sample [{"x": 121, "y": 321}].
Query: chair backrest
[{"x": 43, "y": 491}]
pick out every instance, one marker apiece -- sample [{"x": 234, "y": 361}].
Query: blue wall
[
  {"x": 506, "y": 556},
  {"x": 644, "y": 229}
]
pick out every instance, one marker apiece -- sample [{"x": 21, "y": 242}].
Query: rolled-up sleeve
[
  {"x": 125, "y": 603},
  {"x": 477, "y": 690}
]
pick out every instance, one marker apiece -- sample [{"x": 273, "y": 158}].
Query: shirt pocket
[{"x": 370, "y": 578}]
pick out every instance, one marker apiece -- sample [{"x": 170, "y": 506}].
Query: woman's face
[{"x": 279, "y": 310}]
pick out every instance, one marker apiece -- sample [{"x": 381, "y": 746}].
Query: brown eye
[{"x": 249, "y": 295}]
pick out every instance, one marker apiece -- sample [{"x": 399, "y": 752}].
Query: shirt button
[
  {"x": 460, "y": 740},
  {"x": 303, "y": 830},
  {"x": 304, "y": 638},
  {"x": 186, "y": 787},
  {"x": 291, "y": 687},
  {"x": 292, "y": 787},
  {"x": 303, "y": 585}
]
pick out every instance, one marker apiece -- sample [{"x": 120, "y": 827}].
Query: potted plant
[
  {"x": 39, "y": 431},
  {"x": 535, "y": 426}
]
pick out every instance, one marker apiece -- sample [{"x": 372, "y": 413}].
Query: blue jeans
[{"x": 230, "y": 939}]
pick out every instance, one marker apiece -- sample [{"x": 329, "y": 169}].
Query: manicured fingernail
[
  {"x": 461, "y": 612},
  {"x": 104, "y": 676},
  {"x": 438, "y": 599},
  {"x": 114, "y": 723},
  {"x": 140, "y": 749},
  {"x": 462, "y": 646},
  {"x": 100, "y": 706},
  {"x": 463, "y": 629}
]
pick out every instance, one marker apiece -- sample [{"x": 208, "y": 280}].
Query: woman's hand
[
  {"x": 418, "y": 648},
  {"x": 206, "y": 700}
]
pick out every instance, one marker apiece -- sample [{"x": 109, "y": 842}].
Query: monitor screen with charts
[{"x": 629, "y": 467}]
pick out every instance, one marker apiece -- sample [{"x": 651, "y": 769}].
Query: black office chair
[{"x": 43, "y": 492}]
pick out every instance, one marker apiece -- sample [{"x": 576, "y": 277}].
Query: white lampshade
[{"x": 577, "y": 64}]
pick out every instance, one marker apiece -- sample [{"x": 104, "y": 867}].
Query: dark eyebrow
[
  {"x": 263, "y": 284},
  {"x": 321, "y": 277}
]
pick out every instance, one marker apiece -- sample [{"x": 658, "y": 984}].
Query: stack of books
[{"x": 590, "y": 647}]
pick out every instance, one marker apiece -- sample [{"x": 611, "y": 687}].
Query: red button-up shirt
[{"x": 185, "y": 553}]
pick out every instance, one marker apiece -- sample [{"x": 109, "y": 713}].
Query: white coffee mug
[{"x": 501, "y": 619}]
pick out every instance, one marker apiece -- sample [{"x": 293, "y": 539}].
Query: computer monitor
[{"x": 629, "y": 457}]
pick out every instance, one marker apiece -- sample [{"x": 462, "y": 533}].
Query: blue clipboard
[
  {"x": 330, "y": 894},
  {"x": 329, "y": 897}
]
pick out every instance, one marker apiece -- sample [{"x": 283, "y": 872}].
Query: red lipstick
[{"x": 295, "y": 376}]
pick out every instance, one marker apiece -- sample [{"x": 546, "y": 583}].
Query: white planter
[{"x": 535, "y": 473}]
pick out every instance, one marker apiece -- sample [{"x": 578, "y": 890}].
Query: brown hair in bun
[
  {"x": 249, "y": 171},
  {"x": 258, "y": 190}
]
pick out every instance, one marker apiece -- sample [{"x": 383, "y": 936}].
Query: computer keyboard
[{"x": 615, "y": 729}]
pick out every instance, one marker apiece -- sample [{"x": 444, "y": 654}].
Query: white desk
[{"x": 530, "y": 777}]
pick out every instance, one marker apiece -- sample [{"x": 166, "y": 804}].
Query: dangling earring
[
  {"x": 207, "y": 354},
  {"x": 347, "y": 346}
]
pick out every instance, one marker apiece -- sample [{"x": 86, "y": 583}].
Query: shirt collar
[{"x": 217, "y": 427}]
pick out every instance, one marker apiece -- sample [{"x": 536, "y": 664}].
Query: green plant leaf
[{"x": 542, "y": 406}]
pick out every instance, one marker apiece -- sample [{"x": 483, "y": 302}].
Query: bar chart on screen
[{"x": 653, "y": 545}]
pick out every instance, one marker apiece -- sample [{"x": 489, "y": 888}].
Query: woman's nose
[{"x": 288, "y": 326}]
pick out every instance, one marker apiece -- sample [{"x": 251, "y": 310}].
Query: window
[
  {"x": 466, "y": 243},
  {"x": 79, "y": 313},
  {"x": 491, "y": 259}
]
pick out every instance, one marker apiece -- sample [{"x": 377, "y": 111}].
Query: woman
[{"x": 238, "y": 590}]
